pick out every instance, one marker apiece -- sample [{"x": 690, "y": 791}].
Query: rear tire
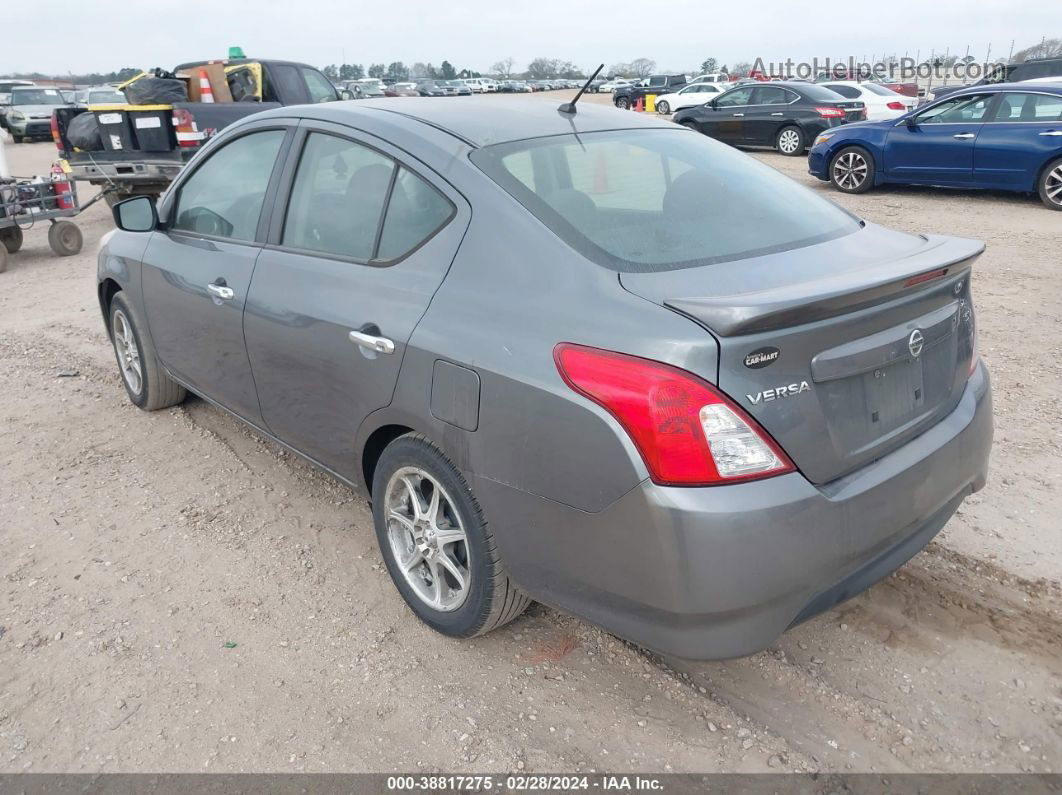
[
  {"x": 458, "y": 587},
  {"x": 790, "y": 141},
  {"x": 3, "y": 259},
  {"x": 65, "y": 238},
  {"x": 146, "y": 383},
  {"x": 1050, "y": 185},
  {"x": 852, "y": 170},
  {"x": 12, "y": 237},
  {"x": 663, "y": 107}
]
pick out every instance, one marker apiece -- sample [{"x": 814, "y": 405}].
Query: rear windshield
[
  {"x": 819, "y": 93},
  {"x": 658, "y": 200},
  {"x": 881, "y": 91}
]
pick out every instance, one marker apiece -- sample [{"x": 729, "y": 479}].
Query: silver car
[
  {"x": 29, "y": 112},
  {"x": 592, "y": 359}
]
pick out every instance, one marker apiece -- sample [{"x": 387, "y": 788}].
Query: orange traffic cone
[
  {"x": 640, "y": 105},
  {"x": 206, "y": 93}
]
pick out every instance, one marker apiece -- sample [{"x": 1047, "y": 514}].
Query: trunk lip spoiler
[{"x": 847, "y": 291}]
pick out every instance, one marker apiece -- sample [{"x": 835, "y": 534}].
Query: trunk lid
[{"x": 842, "y": 351}]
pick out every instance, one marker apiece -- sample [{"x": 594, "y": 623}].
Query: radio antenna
[{"x": 569, "y": 107}]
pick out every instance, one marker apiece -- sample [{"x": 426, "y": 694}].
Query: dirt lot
[{"x": 137, "y": 548}]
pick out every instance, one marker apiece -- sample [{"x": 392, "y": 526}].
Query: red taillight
[
  {"x": 687, "y": 431},
  {"x": 830, "y": 113},
  {"x": 895, "y": 106},
  {"x": 55, "y": 132},
  {"x": 928, "y": 276}
]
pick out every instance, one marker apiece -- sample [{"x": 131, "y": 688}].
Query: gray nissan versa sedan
[{"x": 593, "y": 358}]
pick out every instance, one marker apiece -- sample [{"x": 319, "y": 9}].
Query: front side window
[
  {"x": 739, "y": 96},
  {"x": 656, "y": 200},
  {"x": 321, "y": 90},
  {"x": 1029, "y": 107},
  {"x": 338, "y": 197},
  {"x": 224, "y": 197},
  {"x": 957, "y": 110}
]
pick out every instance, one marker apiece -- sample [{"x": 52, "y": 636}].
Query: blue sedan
[{"x": 1002, "y": 137}]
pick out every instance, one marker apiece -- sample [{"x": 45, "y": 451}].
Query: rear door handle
[
  {"x": 965, "y": 135},
  {"x": 1052, "y": 132},
  {"x": 219, "y": 290},
  {"x": 777, "y": 114},
  {"x": 372, "y": 342},
  {"x": 739, "y": 114}
]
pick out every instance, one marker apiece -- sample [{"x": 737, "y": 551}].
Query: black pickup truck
[
  {"x": 143, "y": 147},
  {"x": 627, "y": 97}
]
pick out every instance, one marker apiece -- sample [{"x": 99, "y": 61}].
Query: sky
[{"x": 65, "y": 36}]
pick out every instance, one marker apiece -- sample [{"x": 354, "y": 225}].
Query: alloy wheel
[
  {"x": 1053, "y": 186},
  {"x": 789, "y": 141},
  {"x": 427, "y": 539},
  {"x": 850, "y": 170},
  {"x": 128, "y": 353}
]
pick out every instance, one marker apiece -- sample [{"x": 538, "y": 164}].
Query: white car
[
  {"x": 714, "y": 77},
  {"x": 480, "y": 85},
  {"x": 1053, "y": 79},
  {"x": 693, "y": 94},
  {"x": 612, "y": 85},
  {"x": 881, "y": 102}
]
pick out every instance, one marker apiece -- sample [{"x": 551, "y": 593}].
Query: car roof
[
  {"x": 1049, "y": 88},
  {"x": 482, "y": 121}
]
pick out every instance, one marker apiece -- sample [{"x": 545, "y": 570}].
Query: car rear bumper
[
  {"x": 710, "y": 573},
  {"x": 127, "y": 173}
]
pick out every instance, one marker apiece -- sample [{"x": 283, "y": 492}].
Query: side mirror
[
  {"x": 710, "y": 104},
  {"x": 346, "y": 93},
  {"x": 137, "y": 214},
  {"x": 910, "y": 122}
]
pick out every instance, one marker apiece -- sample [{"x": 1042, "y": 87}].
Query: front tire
[
  {"x": 852, "y": 170},
  {"x": 12, "y": 238},
  {"x": 436, "y": 543},
  {"x": 145, "y": 382},
  {"x": 1050, "y": 185},
  {"x": 663, "y": 107},
  {"x": 17, "y": 138},
  {"x": 790, "y": 141},
  {"x": 623, "y": 103}
]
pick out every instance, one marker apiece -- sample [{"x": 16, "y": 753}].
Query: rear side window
[
  {"x": 321, "y": 90},
  {"x": 415, "y": 212},
  {"x": 657, "y": 200},
  {"x": 819, "y": 93},
  {"x": 338, "y": 197},
  {"x": 771, "y": 95},
  {"x": 224, "y": 197},
  {"x": 1029, "y": 107}
]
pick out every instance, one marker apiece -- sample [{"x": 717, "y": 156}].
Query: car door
[
  {"x": 765, "y": 114},
  {"x": 1023, "y": 133},
  {"x": 936, "y": 146},
  {"x": 722, "y": 119},
  {"x": 361, "y": 237},
  {"x": 197, "y": 268}
]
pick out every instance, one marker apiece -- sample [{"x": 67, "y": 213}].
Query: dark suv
[
  {"x": 627, "y": 97},
  {"x": 1010, "y": 73}
]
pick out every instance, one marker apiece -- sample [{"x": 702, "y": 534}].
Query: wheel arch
[
  {"x": 107, "y": 289},
  {"x": 1040, "y": 171},
  {"x": 373, "y": 448}
]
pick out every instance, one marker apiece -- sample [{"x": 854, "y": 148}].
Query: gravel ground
[{"x": 180, "y": 595}]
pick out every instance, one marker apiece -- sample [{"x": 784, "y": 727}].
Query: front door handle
[
  {"x": 219, "y": 290},
  {"x": 777, "y": 114},
  {"x": 965, "y": 135},
  {"x": 739, "y": 114},
  {"x": 372, "y": 342},
  {"x": 1052, "y": 132}
]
